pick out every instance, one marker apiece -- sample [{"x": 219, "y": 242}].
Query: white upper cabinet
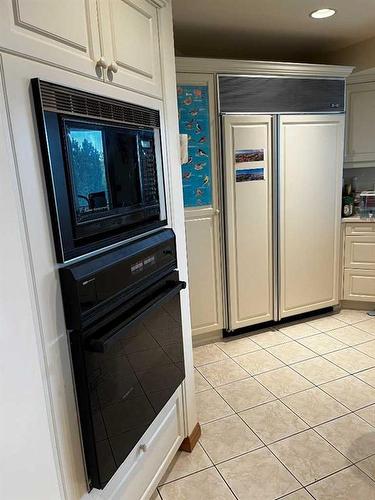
[
  {"x": 64, "y": 33},
  {"x": 114, "y": 40},
  {"x": 360, "y": 133},
  {"x": 130, "y": 34}
]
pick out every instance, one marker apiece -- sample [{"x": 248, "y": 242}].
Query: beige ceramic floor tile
[
  {"x": 368, "y": 466},
  {"x": 298, "y": 495},
  {"x": 245, "y": 394},
  {"x": 322, "y": 343},
  {"x": 204, "y": 485},
  {"x": 368, "y": 414},
  {"x": 223, "y": 372},
  {"x": 273, "y": 421},
  {"x": 211, "y": 406},
  {"x": 258, "y": 362},
  {"x": 236, "y": 347},
  {"x": 201, "y": 383},
  {"x": 351, "y": 360},
  {"x": 351, "y": 316},
  {"x": 350, "y": 335},
  {"x": 258, "y": 476},
  {"x": 227, "y": 438},
  {"x": 283, "y": 381},
  {"x": 314, "y": 406},
  {"x": 351, "y": 392},
  {"x": 367, "y": 376},
  {"x": 185, "y": 463},
  {"x": 350, "y": 435},
  {"x": 207, "y": 354},
  {"x": 293, "y": 352},
  {"x": 308, "y": 456},
  {"x": 269, "y": 338},
  {"x": 325, "y": 324},
  {"x": 367, "y": 326},
  {"x": 298, "y": 330},
  {"x": 319, "y": 370},
  {"x": 349, "y": 484},
  {"x": 155, "y": 496},
  {"x": 368, "y": 348}
]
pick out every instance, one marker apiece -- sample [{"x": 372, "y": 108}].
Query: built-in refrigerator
[{"x": 282, "y": 173}]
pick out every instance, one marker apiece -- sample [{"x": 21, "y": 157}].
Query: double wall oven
[{"x": 104, "y": 177}]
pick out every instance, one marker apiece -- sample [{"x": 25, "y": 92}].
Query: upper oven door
[{"x": 125, "y": 372}]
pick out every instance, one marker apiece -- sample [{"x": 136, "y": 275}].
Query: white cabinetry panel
[
  {"x": 62, "y": 33},
  {"x": 359, "y": 284},
  {"x": 360, "y": 143},
  {"x": 249, "y": 224},
  {"x": 204, "y": 273},
  {"x": 130, "y": 32},
  {"x": 360, "y": 252},
  {"x": 310, "y": 201}
]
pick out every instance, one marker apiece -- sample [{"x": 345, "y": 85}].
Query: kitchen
[{"x": 198, "y": 324}]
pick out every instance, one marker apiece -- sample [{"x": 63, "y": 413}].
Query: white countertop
[{"x": 356, "y": 219}]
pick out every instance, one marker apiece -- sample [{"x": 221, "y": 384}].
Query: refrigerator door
[
  {"x": 248, "y": 197},
  {"x": 311, "y": 162}
]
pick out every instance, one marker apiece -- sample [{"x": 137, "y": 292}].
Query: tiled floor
[{"x": 285, "y": 413}]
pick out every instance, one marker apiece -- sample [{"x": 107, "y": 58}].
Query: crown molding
[
  {"x": 203, "y": 65},
  {"x": 367, "y": 75}
]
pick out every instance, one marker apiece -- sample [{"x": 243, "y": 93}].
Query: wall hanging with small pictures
[{"x": 194, "y": 120}]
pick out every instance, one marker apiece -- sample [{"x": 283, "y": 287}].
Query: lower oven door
[{"x": 125, "y": 372}]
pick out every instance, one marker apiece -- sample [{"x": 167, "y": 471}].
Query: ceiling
[{"x": 269, "y": 29}]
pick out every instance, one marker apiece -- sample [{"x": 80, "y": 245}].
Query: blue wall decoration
[{"x": 194, "y": 120}]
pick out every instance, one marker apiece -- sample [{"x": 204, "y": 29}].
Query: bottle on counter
[{"x": 347, "y": 201}]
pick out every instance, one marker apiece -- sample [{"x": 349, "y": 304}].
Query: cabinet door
[
  {"x": 64, "y": 33},
  {"x": 197, "y": 118},
  {"x": 130, "y": 35},
  {"x": 248, "y": 196},
  {"x": 359, "y": 284},
  {"x": 360, "y": 252},
  {"x": 360, "y": 143},
  {"x": 311, "y": 155}
]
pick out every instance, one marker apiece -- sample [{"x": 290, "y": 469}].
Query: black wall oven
[
  {"x": 123, "y": 312},
  {"x": 103, "y": 166}
]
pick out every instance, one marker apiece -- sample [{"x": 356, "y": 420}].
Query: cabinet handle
[
  {"x": 102, "y": 63},
  {"x": 113, "y": 67}
]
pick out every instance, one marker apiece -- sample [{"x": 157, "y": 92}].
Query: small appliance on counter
[
  {"x": 123, "y": 312},
  {"x": 367, "y": 205},
  {"x": 347, "y": 201}
]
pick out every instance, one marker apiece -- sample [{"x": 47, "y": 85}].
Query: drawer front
[
  {"x": 360, "y": 252},
  {"x": 146, "y": 464},
  {"x": 362, "y": 228},
  {"x": 359, "y": 284}
]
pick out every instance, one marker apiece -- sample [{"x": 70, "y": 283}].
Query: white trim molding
[
  {"x": 368, "y": 75},
  {"x": 203, "y": 65}
]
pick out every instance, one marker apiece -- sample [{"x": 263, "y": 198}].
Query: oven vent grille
[{"x": 65, "y": 100}]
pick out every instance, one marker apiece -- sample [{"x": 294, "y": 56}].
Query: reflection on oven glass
[{"x": 132, "y": 381}]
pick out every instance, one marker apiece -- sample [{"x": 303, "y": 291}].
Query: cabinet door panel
[
  {"x": 360, "y": 144},
  {"x": 359, "y": 284},
  {"x": 360, "y": 252},
  {"x": 311, "y": 151},
  {"x": 204, "y": 274},
  {"x": 248, "y": 219},
  {"x": 132, "y": 42},
  {"x": 63, "y": 33}
]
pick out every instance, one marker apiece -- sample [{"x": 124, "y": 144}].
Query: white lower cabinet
[
  {"x": 144, "y": 467},
  {"x": 359, "y": 262}
]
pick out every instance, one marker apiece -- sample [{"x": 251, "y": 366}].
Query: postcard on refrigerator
[
  {"x": 250, "y": 174},
  {"x": 248, "y": 155}
]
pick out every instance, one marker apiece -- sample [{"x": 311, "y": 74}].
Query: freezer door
[
  {"x": 311, "y": 162},
  {"x": 248, "y": 196}
]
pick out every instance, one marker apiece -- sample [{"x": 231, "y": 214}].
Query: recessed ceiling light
[{"x": 322, "y": 13}]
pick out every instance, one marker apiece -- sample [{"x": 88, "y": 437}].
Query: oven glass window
[{"x": 112, "y": 169}]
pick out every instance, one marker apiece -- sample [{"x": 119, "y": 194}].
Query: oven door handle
[{"x": 102, "y": 343}]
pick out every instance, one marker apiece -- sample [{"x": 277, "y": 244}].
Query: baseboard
[
  {"x": 357, "y": 304},
  {"x": 190, "y": 441}
]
